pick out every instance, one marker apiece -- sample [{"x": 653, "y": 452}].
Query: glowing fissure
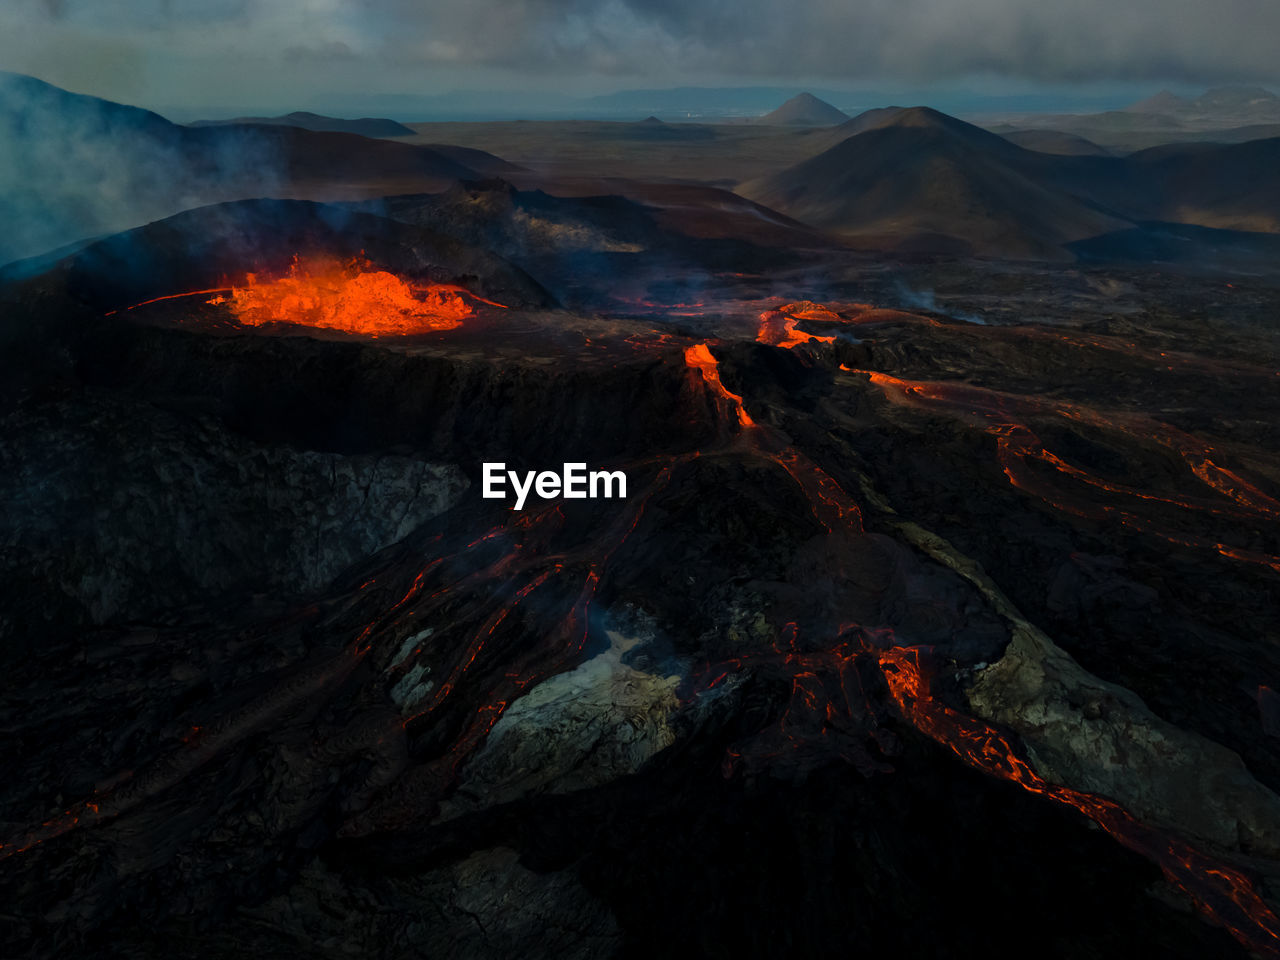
[
  {"x": 174, "y": 296},
  {"x": 700, "y": 358},
  {"x": 1016, "y": 444},
  {"x": 559, "y": 650},
  {"x": 1223, "y": 893},
  {"x": 831, "y": 505}
]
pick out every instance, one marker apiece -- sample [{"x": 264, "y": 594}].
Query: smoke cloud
[{"x": 72, "y": 167}]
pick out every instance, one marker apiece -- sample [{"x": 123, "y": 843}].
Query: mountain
[
  {"x": 1235, "y": 104},
  {"x": 1229, "y": 114},
  {"x": 919, "y": 179},
  {"x": 365, "y": 126},
  {"x": 1229, "y": 186},
  {"x": 481, "y": 161},
  {"x": 74, "y": 166},
  {"x": 804, "y": 110},
  {"x": 867, "y": 120},
  {"x": 1163, "y": 102},
  {"x": 1238, "y": 103},
  {"x": 696, "y": 101}
]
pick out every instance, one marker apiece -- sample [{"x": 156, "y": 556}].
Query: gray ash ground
[{"x": 889, "y": 624}]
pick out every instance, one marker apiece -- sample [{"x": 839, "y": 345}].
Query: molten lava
[
  {"x": 701, "y": 359},
  {"x": 998, "y": 414},
  {"x": 350, "y": 296},
  {"x": 778, "y": 327},
  {"x": 1222, "y": 892}
]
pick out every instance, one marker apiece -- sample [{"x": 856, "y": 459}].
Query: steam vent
[{"x": 719, "y": 535}]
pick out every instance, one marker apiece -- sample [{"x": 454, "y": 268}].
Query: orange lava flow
[
  {"x": 997, "y": 413},
  {"x": 350, "y": 296},
  {"x": 778, "y": 327},
  {"x": 1222, "y": 892},
  {"x": 700, "y": 358},
  {"x": 831, "y": 505},
  {"x": 174, "y": 296},
  {"x": 527, "y": 579}
]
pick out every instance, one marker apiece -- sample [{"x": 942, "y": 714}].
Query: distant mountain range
[
  {"x": 917, "y": 179},
  {"x": 1224, "y": 114},
  {"x": 1235, "y": 104},
  {"x": 690, "y": 102},
  {"x": 710, "y": 104},
  {"x": 706, "y": 101},
  {"x": 364, "y": 127},
  {"x": 908, "y": 179}
]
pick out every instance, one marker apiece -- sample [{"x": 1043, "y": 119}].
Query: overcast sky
[{"x": 275, "y": 53}]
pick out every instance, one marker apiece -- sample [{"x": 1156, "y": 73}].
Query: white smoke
[{"x": 74, "y": 167}]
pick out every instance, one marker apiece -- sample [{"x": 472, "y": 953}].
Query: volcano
[
  {"x": 917, "y": 179},
  {"x": 922, "y": 610},
  {"x": 342, "y": 655},
  {"x": 920, "y": 179},
  {"x": 1233, "y": 104},
  {"x": 804, "y": 110},
  {"x": 75, "y": 166}
]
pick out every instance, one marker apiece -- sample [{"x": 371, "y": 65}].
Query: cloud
[
  {"x": 937, "y": 39},
  {"x": 328, "y": 52},
  {"x": 240, "y": 41}
]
